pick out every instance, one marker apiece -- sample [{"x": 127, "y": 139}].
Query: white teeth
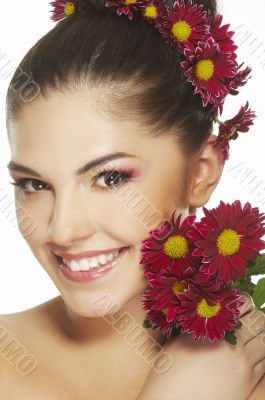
[
  {"x": 110, "y": 256},
  {"x": 102, "y": 259},
  {"x": 89, "y": 263},
  {"x": 74, "y": 265},
  {"x": 84, "y": 264},
  {"x": 94, "y": 262}
]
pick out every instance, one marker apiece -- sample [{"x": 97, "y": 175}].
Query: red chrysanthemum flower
[
  {"x": 185, "y": 24},
  {"x": 169, "y": 246},
  {"x": 221, "y": 35},
  {"x": 200, "y": 315},
  {"x": 229, "y": 129},
  {"x": 217, "y": 106},
  {"x": 126, "y": 7},
  {"x": 154, "y": 12},
  {"x": 204, "y": 283},
  {"x": 227, "y": 238},
  {"x": 232, "y": 84},
  {"x": 158, "y": 318},
  {"x": 207, "y": 68},
  {"x": 62, "y": 9},
  {"x": 239, "y": 80},
  {"x": 165, "y": 288}
]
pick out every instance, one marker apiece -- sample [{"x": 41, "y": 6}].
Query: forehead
[
  {"x": 72, "y": 125},
  {"x": 71, "y": 118}
]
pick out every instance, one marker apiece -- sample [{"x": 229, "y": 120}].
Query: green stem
[{"x": 217, "y": 120}]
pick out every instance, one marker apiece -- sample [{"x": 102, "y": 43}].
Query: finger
[
  {"x": 248, "y": 303},
  {"x": 256, "y": 349},
  {"x": 253, "y": 323},
  {"x": 259, "y": 372}
]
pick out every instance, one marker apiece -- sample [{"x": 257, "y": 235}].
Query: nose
[{"x": 70, "y": 220}]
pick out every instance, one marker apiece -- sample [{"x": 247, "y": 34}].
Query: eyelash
[{"x": 126, "y": 176}]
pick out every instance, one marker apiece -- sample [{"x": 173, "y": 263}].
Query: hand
[{"x": 219, "y": 370}]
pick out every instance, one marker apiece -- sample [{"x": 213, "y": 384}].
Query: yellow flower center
[
  {"x": 178, "y": 287},
  {"x": 127, "y": 2},
  {"x": 206, "y": 311},
  {"x": 176, "y": 246},
  {"x": 181, "y": 30},
  {"x": 228, "y": 242},
  {"x": 69, "y": 9},
  {"x": 232, "y": 134},
  {"x": 164, "y": 311},
  {"x": 150, "y": 11},
  {"x": 204, "y": 69}
]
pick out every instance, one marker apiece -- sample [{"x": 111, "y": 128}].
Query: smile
[
  {"x": 85, "y": 264},
  {"x": 90, "y": 268}
]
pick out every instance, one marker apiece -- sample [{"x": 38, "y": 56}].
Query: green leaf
[
  {"x": 245, "y": 285},
  {"x": 257, "y": 267},
  {"x": 147, "y": 323},
  {"x": 259, "y": 293},
  {"x": 239, "y": 324},
  {"x": 175, "y": 332},
  {"x": 236, "y": 284},
  {"x": 230, "y": 337}
]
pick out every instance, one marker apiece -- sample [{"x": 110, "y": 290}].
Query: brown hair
[{"x": 139, "y": 73}]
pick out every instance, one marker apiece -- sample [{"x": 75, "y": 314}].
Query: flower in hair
[
  {"x": 185, "y": 24},
  {"x": 229, "y": 129},
  {"x": 208, "y": 51},
  {"x": 222, "y": 36},
  {"x": 228, "y": 237},
  {"x": 154, "y": 12},
  {"x": 240, "y": 79},
  {"x": 126, "y": 7},
  {"x": 62, "y": 9},
  {"x": 206, "y": 68},
  {"x": 170, "y": 246}
]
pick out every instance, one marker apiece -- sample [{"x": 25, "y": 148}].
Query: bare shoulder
[
  {"x": 6, "y": 356},
  {"x": 35, "y": 317},
  {"x": 3, "y": 366},
  {"x": 22, "y": 331},
  {"x": 20, "y": 351}
]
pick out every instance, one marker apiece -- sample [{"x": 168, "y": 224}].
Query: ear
[{"x": 206, "y": 172}]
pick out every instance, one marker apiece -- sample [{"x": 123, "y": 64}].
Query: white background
[{"x": 23, "y": 282}]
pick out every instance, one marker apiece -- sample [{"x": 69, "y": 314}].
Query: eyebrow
[{"x": 13, "y": 166}]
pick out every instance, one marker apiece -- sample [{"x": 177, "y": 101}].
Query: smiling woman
[{"x": 115, "y": 117}]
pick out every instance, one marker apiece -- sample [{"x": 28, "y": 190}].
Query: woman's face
[{"x": 82, "y": 212}]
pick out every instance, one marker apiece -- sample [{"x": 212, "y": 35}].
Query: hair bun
[{"x": 98, "y": 5}]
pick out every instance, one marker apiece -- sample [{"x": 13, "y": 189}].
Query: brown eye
[
  {"x": 30, "y": 185},
  {"x": 112, "y": 178}
]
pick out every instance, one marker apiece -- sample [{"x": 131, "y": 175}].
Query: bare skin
[
  {"x": 80, "y": 356},
  {"x": 119, "y": 371},
  {"x": 110, "y": 368},
  {"x": 221, "y": 371}
]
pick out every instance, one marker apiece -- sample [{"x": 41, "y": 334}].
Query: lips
[{"x": 92, "y": 274}]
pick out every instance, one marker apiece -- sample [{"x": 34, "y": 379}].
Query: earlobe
[{"x": 207, "y": 171}]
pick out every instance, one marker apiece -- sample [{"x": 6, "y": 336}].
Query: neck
[{"x": 126, "y": 319}]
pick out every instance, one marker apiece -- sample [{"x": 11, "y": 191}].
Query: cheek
[
  {"x": 131, "y": 211},
  {"x": 125, "y": 218},
  {"x": 32, "y": 222}
]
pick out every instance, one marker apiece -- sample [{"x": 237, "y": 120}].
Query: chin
[{"x": 102, "y": 294}]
